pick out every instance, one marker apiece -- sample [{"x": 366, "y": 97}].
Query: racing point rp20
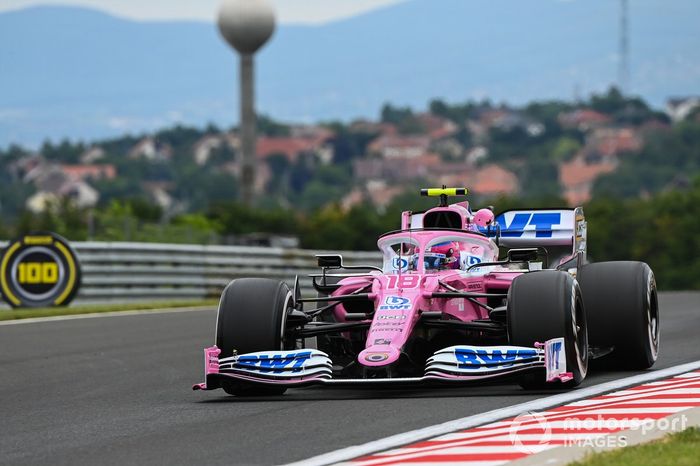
[{"x": 443, "y": 308}]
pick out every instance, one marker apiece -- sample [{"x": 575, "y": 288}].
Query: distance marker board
[{"x": 39, "y": 270}]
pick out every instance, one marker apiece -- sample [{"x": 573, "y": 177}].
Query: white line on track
[
  {"x": 36, "y": 320},
  {"x": 540, "y": 404}
]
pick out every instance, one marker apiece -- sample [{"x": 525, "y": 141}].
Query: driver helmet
[
  {"x": 450, "y": 250},
  {"x": 434, "y": 261}
]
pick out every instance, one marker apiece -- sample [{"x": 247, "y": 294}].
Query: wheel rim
[
  {"x": 653, "y": 319},
  {"x": 283, "y": 325},
  {"x": 580, "y": 330}
]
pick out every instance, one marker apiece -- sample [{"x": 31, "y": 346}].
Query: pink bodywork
[{"x": 401, "y": 298}]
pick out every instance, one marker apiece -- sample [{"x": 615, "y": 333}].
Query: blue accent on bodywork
[
  {"x": 275, "y": 363},
  {"x": 542, "y": 221}
]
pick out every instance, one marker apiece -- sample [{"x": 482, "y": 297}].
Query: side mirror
[
  {"x": 330, "y": 261},
  {"x": 484, "y": 218},
  {"x": 522, "y": 255}
]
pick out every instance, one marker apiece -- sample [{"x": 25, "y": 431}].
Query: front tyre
[
  {"x": 623, "y": 311},
  {"x": 252, "y": 316},
  {"x": 545, "y": 305}
]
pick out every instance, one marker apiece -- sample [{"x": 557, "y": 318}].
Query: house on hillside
[
  {"x": 583, "y": 119},
  {"x": 436, "y": 126},
  {"x": 22, "y": 166},
  {"x": 423, "y": 166},
  {"x": 489, "y": 180},
  {"x": 371, "y": 127},
  {"x": 680, "y": 107},
  {"x": 150, "y": 149},
  {"x": 503, "y": 119},
  {"x": 611, "y": 142},
  {"x": 46, "y": 177},
  {"x": 205, "y": 146},
  {"x": 92, "y": 155},
  {"x": 263, "y": 175},
  {"x": 89, "y": 172},
  {"x": 55, "y": 182},
  {"x": 79, "y": 192},
  {"x": 448, "y": 146},
  {"x": 314, "y": 132},
  {"x": 376, "y": 192},
  {"x": 159, "y": 193},
  {"x": 577, "y": 176},
  {"x": 399, "y": 146},
  {"x": 293, "y": 147},
  {"x": 476, "y": 154}
]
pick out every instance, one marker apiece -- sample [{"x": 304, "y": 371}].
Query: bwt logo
[
  {"x": 275, "y": 363},
  {"x": 541, "y": 221},
  {"x": 399, "y": 263},
  {"x": 468, "y": 358},
  {"x": 395, "y": 303}
]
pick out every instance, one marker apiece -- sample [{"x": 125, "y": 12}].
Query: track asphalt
[{"x": 117, "y": 390}]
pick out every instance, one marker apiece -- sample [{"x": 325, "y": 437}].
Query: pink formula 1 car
[{"x": 443, "y": 307}]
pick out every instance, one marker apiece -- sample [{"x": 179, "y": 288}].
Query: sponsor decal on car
[
  {"x": 399, "y": 263},
  {"x": 469, "y": 357},
  {"x": 376, "y": 357},
  {"x": 274, "y": 362},
  {"x": 395, "y": 303},
  {"x": 468, "y": 260},
  {"x": 543, "y": 223},
  {"x": 555, "y": 358},
  {"x": 402, "y": 281}
]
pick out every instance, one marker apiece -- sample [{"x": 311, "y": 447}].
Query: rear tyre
[
  {"x": 623, "y": 311},
  {"x": 251, "y": 318},
  {"x": 545, "y": 305}
]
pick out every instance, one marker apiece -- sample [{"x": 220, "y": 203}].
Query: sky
[{"x": 289, "y": 11}]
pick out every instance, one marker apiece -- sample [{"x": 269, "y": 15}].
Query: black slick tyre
[
  {"x": 251, "y": 318},
  {"x": 623, "y": 311},
  {"x": 544, "y": 305}
]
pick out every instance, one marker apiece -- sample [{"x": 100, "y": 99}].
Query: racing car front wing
[{"x": 454, "y": 364}]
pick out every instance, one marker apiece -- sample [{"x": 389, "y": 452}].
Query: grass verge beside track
[
  {"x": 679, "y": 449},
  {"x": 14, "y": 314}
]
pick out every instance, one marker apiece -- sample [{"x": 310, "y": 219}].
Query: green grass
[
  {"x": 13, "y": 314},
  {"x": 679, "y": 449}
]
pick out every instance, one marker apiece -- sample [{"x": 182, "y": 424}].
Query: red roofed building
[
  {"x": 437, "y": 127},
  {"x": 609, "y": 142},
  {"x": 489, "y": 180},
  {"x": 293, "y": 147},
  {"x": 492, "y": 179},
  {"x": 578, "y": 175},
  {"x": 93, "y": 172}
]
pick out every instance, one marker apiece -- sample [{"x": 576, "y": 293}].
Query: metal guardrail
[{"x": 142, "y": 272}]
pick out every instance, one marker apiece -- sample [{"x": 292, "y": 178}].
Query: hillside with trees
[{"x": 337, "y": 185}]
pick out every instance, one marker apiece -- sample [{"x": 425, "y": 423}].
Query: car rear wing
[{"x": 561, "y": 231}]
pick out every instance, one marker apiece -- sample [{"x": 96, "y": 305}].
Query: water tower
[{"x": 247, "y": 25}]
